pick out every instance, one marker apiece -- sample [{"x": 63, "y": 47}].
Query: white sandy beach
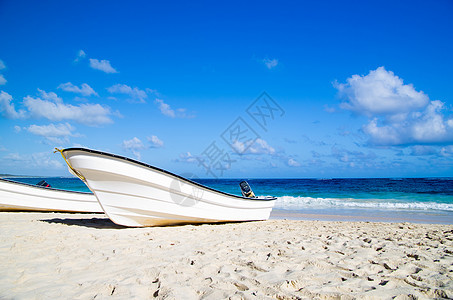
[{"x": 86, "y": 256}]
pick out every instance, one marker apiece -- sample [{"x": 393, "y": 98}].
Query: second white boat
[
  {"x": 17, "y": 196},
  {"x": 135, "y": 194}
]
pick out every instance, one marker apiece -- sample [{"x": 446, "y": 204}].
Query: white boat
[
  {"x": 135, "y": 194},
  {"x": 17, "y": 196}
]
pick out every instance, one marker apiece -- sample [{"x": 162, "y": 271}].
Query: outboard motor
[
  {"x": 43, "y": 183},
  {"x": 246, "y": 190}
]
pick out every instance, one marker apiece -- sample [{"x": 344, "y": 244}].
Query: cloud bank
[
  {"x": 380, "y": 92},
  {"x": 398, "y": 113}
]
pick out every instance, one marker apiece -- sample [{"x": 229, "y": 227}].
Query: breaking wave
[{"x": 296, "y": 203}]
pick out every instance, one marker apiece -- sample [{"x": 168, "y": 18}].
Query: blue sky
[{"x": 345, "y": 89}]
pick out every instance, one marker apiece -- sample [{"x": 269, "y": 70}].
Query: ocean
[{"x": 420, "y": 200}]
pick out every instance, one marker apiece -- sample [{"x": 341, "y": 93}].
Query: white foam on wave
[{"x": 294, "y": 203}]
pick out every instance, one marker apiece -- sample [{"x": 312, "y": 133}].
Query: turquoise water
[{"x": 370, "y": 199}]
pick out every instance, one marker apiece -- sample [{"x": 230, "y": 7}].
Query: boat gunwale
[
  {"x": 165, "y": 172},
  {"x": 44, "y": 187}
]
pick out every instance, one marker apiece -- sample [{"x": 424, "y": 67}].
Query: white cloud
[
  {"x": 380, "y": 92},
  {"x": 2, "y": 78},
  {"x": 261, "y": 147},
  {"x": 80, "y": 55},
  {"x": 151, "y": 91},
  {"x": 7, "y": 108},
  {"x": 165, "y": 108},
  {"x": 57, "y": 134},
  {"x": 258, "y": 146},
  {"x": 134, "y": 145},
  {"x": 84, "y": 89},
  {"x": 53, "y": 108},
  {"x": 383, "y": 135},
  {"x": 270, "y": 63},
  {"x": 155, "y": 142},
  {"x": 102, "y": 65},
  {"x": 399, "y": 115},
  {"x": 242, "y": 147},
  {"x": 429, "y": 126},
  {"x": 50, "y": 96},
  {"x": 186, "y": 157},
  {"x": 52, "y": 130},
  {"x": 135, "y": 93},
  {"x": 293, "y": 163},
  {"x": 260, "y": 150}
]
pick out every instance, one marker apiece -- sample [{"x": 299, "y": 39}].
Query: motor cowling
[{"x": 246, "y": 189}]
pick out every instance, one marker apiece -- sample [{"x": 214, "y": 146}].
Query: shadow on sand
[
  {"x": 99, "y": 223},
  {"x": 106, "y": 223}
]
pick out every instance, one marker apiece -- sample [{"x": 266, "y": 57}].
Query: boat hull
[
  {"x": 135, "y": 194},
  {"x": 16, "y": 196}
]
